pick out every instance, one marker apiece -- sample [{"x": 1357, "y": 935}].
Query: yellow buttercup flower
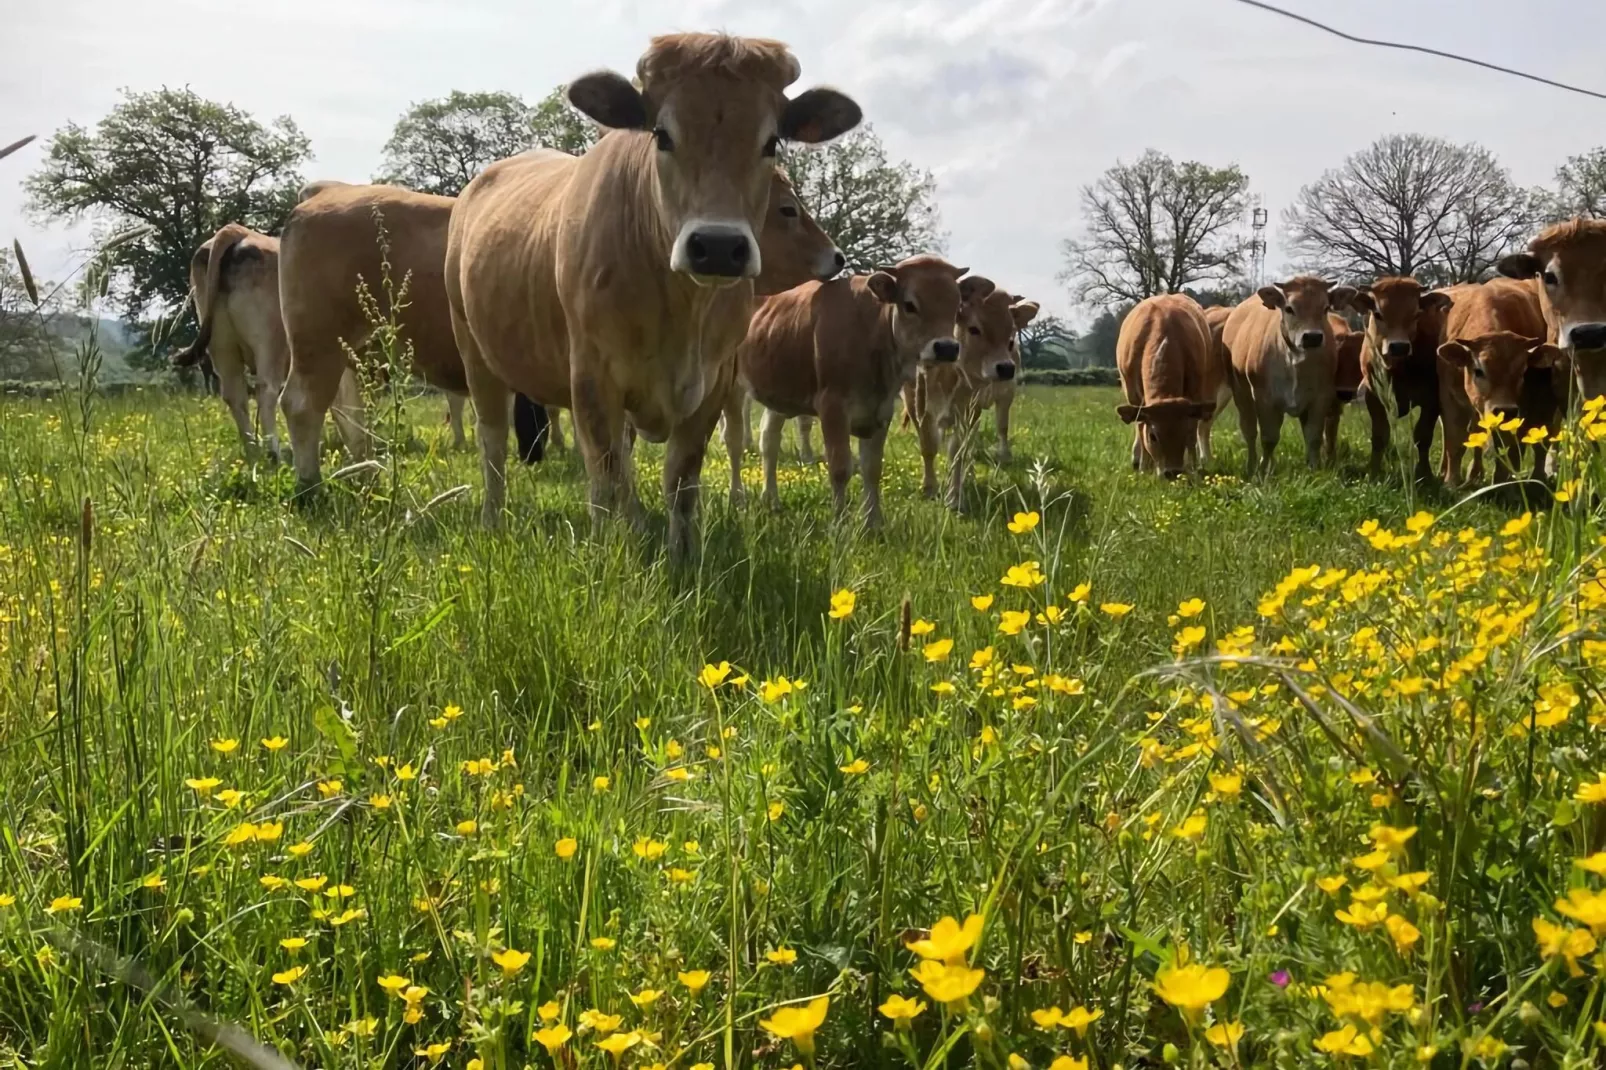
[
  {"x": 1027, "y": 574},
  {"x": 1116, "y": 609},
  {"x": 712, "y": 676},
  {"x": 695, "y": 980},
  {"x": 616, "y": 1044},
  {"x": 1191, "y": 988},
  {"x": 225, "y": 746},
  {"x": 645, "y": 998},
  {"x": 1346, "y": 1041},
  {"x": 203, "y": 786},
  {"x": 1069, "y": 1062},
  {"x": 274, "y": 744},
  {"x": 856, "y": 767},
  {"x": 511, "y": 961},
  {"x": 553, "y": 1037},
  {"x": 290, "y": 976},
  {"x": 981, "y": 602},
  {"x": 1024, "y": 523},
  {"x": 64, "y": 904},
  {"x": 566, "y": 847},
  {"x": 604, "y": 943},
  {"x": 842, "y": 603},
  {"x": 946, "y": 982},
  {"x": 293, "y": 944},
  {"x": 902, "y": 1010},
  {"x": 1191, "y": 608},
  {"x": 921, "y": 627},
  {"x": 781, "y": 956},
  {"x": 798, "y": 1024},
  {"x": 1011, "y": 622},
  {"x": 949, "y": 941},
  {"x": 939, "y": 650},
  {"x": 1227, "y": 785},
  {"x": 1079, "y": 1018},
  {"x": 1225, "y": 1034}
]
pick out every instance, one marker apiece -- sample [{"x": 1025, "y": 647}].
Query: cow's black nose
[
  {"x": 1588, "y": 336},
  {"x": 1505, "y": 412},
  {"x": 1399, "y": 349},
  {"x": 1006, "y": 372},
  {"x": 841, "y": 261},
  {"x": 722, "y": 252},
  {"x": 945, "y": 349},
  {"x": 1312, "y": 339}
]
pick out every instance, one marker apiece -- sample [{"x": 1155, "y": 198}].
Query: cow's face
[
  {"x": 1570, "y": 261},
  {"x": 716, "y": 109},
  {"x": 923, "y": 293},
  {"x": 795, "y": 250},
  {"x": 986, "y": 330},
  {"x": 1167, "y": 429},
  {"x": 1493, "y": 366},
  {"x": 1303, "y": 303},
  {"x": 1347, "y": 368},
  {"x": 1394, "y": 308}
]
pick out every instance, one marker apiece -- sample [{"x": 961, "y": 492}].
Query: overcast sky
[{"x": 1014, "y": 104}]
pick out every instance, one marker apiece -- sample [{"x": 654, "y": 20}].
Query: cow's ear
[
  {"x": 1456, "y": 354},
  {"x": 1024, "y": 312},
  {"x": 1545, "y": 355},
  {"x": 975, "y": 288},
  {"x": 884, "y": 285},
  {"x": 610, "y": 99},
  {"x": 1363, "y": 301},
  {"x": 1127, "y": 413},
  {"x": 1519, "y": 266},
  {"x": 1341, "y": 297},
  {"x": 818, "y": 115},
  {"x": 1435, "y": 301},
  {"x": 1203, "y": 410},
  {"x": 1272, "y": 296}
]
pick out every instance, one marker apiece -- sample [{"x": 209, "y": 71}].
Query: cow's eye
[
  {"x": 911, "y": 308},
  {"x": 789, "y": 211},
  {"x": 1477, "y": 371},
  {"x": 665, "y": 142},
  {"x": 1551, "y": 279},
  {"x": 772, "y": 146},
  {"x": 975, "y": 330}
]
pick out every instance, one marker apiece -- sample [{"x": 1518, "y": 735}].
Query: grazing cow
[
  {"x": 1347, "y": 379},
  {"x": 330, "y": 243},
  {"x": 1568, "y": 265},
  {"x": 1284, "y": 363},
  {"x": 1218, "y": 377},
  {"x": 841, "y": 351},
  {"x": 234, "y": 278},
  {"x": 1495, "y": 363},
  {"x": 1162, "y": 354},
  {"x": 1399, "y": 360},
  {"x": 620, "y": 283},
  {"x": 947, "y": 400}
]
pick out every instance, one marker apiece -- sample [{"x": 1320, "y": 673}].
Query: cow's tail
[
  {"x": 227, "y": 237},
  {"x": 531, "y": 428}
]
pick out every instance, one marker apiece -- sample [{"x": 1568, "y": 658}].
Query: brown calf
[
  {"x": 1568, "y": 265},
  {"x": 1404, "y": 326},
  {"x": 1162, "y": 353},
  {"x": 1284, "y": 363},
  {"x": 620, "y": 283},
  {"x": 842, "y": 350},
  {"x": 1495, "y": 363},
  {"x": 947, "y": 400},
  {"x": 1347, "y": 377}
]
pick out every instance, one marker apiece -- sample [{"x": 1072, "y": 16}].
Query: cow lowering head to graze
[
  {"x": 619, "y": 283},
  {"x": 947, "y": 399},
  {"x": 1404, "y": 325},
  {"x": 842, "y": 350},
  {"x": 1568, "y": 261},
  {"x": 1218, "y": 377},
  {"x": 1284, "y": 363},
  {"x": 1495, "y": 366},
  {"x": 1161, "y": 354}
]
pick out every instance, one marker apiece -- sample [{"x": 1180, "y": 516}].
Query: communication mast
[{"x": 1257, "y": 241}]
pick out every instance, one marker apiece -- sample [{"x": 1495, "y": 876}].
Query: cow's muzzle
[
  {"x": 941, "y": 350},
  {"x": 716, "y": 251},
  {"x": 1399, "y": 350},
  {"x": 1312, "y": 340},
  {"x": 1005, "y": 372},
  {"x": 1587, "y": 336}
]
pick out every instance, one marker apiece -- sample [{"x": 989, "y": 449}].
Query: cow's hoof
[{"x": 928, "y": 492}]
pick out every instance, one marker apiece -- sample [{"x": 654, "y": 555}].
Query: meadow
[{"x": 1106, "y": 772}]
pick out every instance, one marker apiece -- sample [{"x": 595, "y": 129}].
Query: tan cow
[
  {"x": 1568, "y": 265},
  {"x": 1495, "y": 363},
  {"x": 330, "y": 242},
  {"x": 1284, "y": 363},
  {"x": 1162, "y": 354},
  {"x": 234, "y": 280},
  {"x": 620, "y": 283},
  {"x": 841, "y": 351},
  {"x": 1347, "y": 345},
  {"x": 947, "y": 400},
  {"x": 1218, "y": 371},
  {"x": 1399, "y": 359}
]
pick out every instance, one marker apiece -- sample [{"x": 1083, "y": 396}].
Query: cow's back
[
  {"x": 332, "y": 243},
  {"x": 1253, "y": 336},
  {"x": 1496, "y": 305},
  {"x": 790, "y": 333},
  {"x": 1162, "y": 349}
]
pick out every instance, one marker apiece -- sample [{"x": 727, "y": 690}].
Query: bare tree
[
  {"x": 1580, "y": 187},
  {"x": 1156, "y": 226},
  {"x": 1410, "y": 205}
]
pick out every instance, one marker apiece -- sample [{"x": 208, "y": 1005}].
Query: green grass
[{"x": 207, "y": 606}]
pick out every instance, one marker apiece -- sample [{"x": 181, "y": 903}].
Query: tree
[
  {"x": 877, "y": 211},
  {"x": 26, "y": 339},
  {"x": 177, "y": 167},
  {"x": 1096, "y": 348},
  {"x": 1411, "y": 205},
  {"x": 438, "y": 146},
  {"x": 1155, "y": 226},
  {"x": 1046, "y": 342},
  {"x": 1580, "y": 187}
]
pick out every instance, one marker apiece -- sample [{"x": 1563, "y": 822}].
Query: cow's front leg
[
  {"x": 838, "y": 448},
  {"x": 683, "y": 471},
  {"x": 600, "y": 429},
  {"x": 870, "y": 452}
]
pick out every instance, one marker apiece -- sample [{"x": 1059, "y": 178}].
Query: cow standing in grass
[
  {"x": 1399, "y": 360},
  {"x": 1162, "y": 355}
]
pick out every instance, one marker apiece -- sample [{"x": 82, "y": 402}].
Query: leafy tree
[
  {"x": 1096, "y": 348},
  {"x": 1156, "y": 226},
  {"x": 878, "y": 211},
  {"x": 1580, "y": 187},
  {"x": 1411, "y": 205},
  {"x": 438, "y": 146},
  {"x": 1046, "y": 342},
  {"x": 26, "y": 339},
  {"x": 169, "y": 168}
]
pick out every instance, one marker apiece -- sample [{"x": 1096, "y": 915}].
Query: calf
[
  {"x": 1399, "y": 362},
  {"x": 1495, "y": 364},
  {"x": 1162, "y": 355},
  {"x": 841, "y": 351},
  {"x": 1284, "y": 363},
  {"x": 1567, "y": 264},
  {"x": 947, "y": 400},
  {"x": 1218, "y": 377},
  {"x": 1347, "y": 378}
]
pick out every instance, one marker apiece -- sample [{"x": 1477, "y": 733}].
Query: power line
[{"x": 1422, "y": 49}]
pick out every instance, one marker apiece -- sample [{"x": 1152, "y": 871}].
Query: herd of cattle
[
  {"x": 1493, "y": 353},
  {"x": 655, "y": 284}
]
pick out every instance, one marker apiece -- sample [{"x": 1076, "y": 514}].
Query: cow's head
[
  {"x": 1492, "y": 368},
  {"x": 923, "y": 294},
  {"x": 989, "y": 320},
  {"x": 717, "y": 111},
  {"x": 1167, "y": 429},
  {"x": 1304, "y": 302},
  {"x": 1570, "y": 261},
  {"x": 1394, "y": 308},
  {"x": 1347, "y": 367},
  {"x": 795, "y": 249}
]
